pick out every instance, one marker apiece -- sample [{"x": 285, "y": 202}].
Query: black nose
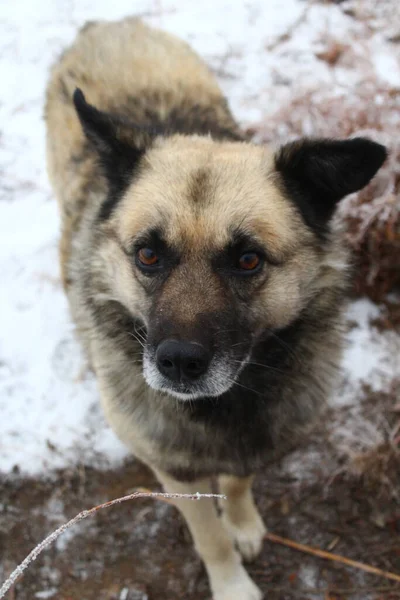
[{"x": 182, "y": 361}]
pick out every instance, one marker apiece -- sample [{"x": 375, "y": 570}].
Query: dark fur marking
[
  {"x": 118, "y": 145},
  {"x": 117, "y": 324},
  {"x": 317, "y": 174},
  {"x": 121, "y": 144},
  {"x": 80, "y": 157},
  {"x": 186, "y": 118},
  {"x": 240, "y": 243},
  {"x": 201, "y": 120},
  {"x": 199, "y": 186},
  {"x": 152, "y": 280}
]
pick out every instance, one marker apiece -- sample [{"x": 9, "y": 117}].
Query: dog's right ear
[
  {"x": 318, "y": 173},
  {"x": 119, "y": 143}
]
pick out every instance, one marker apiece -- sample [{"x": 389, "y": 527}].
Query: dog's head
[{"x": 212, "y": 244}]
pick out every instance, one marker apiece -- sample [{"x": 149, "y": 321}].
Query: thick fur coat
[{"x": 146, "y": 161}]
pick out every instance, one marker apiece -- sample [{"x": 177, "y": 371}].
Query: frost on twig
[{"x": 86, "y": 513}]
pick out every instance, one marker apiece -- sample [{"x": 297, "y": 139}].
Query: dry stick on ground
[
  {"x": 329, "y": 556},
  {"x": 166, "y": 497},
  {"x": 86, "y": 513},
  {"x": 321, "y": 592}
]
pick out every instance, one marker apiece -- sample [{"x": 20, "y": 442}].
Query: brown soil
[
  {"x": 141, "y": 549},
  {"x": 389, "y": 317}
]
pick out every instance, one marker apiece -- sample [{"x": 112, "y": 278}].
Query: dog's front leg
[
  {"x": 240, "y": 515},
  {"x": 228, "y": 578}
]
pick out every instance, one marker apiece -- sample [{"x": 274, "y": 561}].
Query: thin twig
[
  {"x": 284, "y": 37},
  {"x": 322, "y": 591},
  {"x": 87, "y": 513},
  {"x": 329, "y": 556}
]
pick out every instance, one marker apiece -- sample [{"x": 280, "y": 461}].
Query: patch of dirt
[
  {"x": 389, "y": 317},
  {"x": 141, "y": 550}
]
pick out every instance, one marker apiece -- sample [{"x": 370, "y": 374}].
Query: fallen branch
[
  {"x": 87, "y": 513},
  {"x": 321, "y": 592},
  {"x": 271, "y": 537}
]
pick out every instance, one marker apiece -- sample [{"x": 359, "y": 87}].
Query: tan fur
[
  {"x": 228, "y": 579},
  {"x": 198, "y": 189},
  {"x": 240, "y": 515}
]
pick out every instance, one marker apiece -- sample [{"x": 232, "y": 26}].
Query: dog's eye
[
  {"x": 249, "y": 261},
  {"x": 147, "y": 257}
]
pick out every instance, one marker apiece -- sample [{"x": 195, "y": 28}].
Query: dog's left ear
[
  {"x": 317, "y": 174},
  {"x": 119, "y": 144}
]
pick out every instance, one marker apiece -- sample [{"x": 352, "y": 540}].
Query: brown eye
[
  {"x": 249, "y": 261},
  {"x": 147, "y": 257}
]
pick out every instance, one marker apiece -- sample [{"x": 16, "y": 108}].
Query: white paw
[
  {"x": 240, "y": 587},
  {"x": 248, "y": 537}
]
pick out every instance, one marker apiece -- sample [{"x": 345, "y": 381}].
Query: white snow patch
[
  {"x": 44, "y": 594},
  {"x": 308, "y": 574},
  {"x": 370, "y": 356},
  {"x": 387, "y": 68}
]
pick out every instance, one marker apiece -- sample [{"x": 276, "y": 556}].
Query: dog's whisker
[
  {"x": 282, "y": 343},
  {"x": 233, "y": 382},
  {"x": 257, "y": 364},
  {"x": 132, "y": 334},
  {"x": 139, "y": 332}
]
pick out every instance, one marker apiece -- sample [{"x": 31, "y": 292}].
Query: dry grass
[
  {"x": 375, "y": 467},
  {"x": 377, "y": 470}
]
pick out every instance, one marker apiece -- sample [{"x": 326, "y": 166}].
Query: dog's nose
[{"x": 182, "y": 361}]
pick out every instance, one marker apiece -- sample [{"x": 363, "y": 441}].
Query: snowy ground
[{"x": 263, "y": 53}]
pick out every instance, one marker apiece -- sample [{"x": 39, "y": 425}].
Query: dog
[{"x": 204, "y": 273}]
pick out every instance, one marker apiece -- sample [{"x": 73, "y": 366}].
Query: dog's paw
[
  {"x": 248, "y": 536},
  {"x": 241, "y": 587}
]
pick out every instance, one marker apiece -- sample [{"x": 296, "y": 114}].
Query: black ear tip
[
  {"x": 78, "y": 98},
  {"x": 373, "y": 151},
  {"x": 382, "y": 152}
]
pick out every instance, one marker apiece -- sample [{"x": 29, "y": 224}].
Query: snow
[
  {"x": 370, "y": 356},
  {"x": 44, "y": 594},
  {"x": 387, "y": 68},
  {"x": 308, "y": 575},
  {"x": 50, "y": 416}
]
